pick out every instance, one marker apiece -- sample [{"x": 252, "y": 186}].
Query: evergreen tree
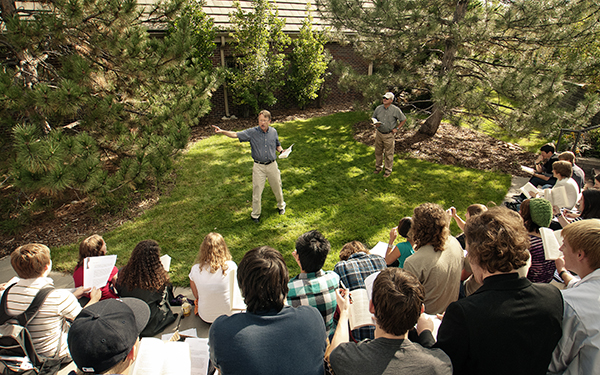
[
  {"x": 93, "y": 102},
  {"x": 258, "y": 44},
  {"x": 505, "y": 61},
  {"x": 308, "y": 63}
]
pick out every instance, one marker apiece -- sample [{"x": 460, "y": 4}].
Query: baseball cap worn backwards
[{"x": 103, "y": 334}]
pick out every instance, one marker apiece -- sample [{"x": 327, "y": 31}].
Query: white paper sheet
[{"x": 96, "y": 270}]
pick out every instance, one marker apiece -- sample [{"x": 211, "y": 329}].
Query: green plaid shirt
[{"x": 315, "y": 289}]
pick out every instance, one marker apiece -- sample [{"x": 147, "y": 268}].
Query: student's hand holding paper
[{"x": 424, "y": 323}]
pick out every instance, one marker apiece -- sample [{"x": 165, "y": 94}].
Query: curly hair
[
  {"x": 90, "y": 247},
  {"x": 430, "y": 226},
  {"x": 497, "y": 240},
  {"x": 214, "y": 253},
  {"x": 144, "y": 269},
  {"x": 352, "y": 248}
]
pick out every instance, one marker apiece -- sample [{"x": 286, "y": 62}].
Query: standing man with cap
[
  {"x": 389, "y": 119},
  {"x": 104, "y": 337},
  {"x": 264, "y": 141}
]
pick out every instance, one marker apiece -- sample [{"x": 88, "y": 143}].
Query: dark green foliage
[
  {"x": 504, "y": 61},
  {"x": 309, "y": 61},
  {"x": 94, "y": 104},
  {"x": 258, "y": 43}
]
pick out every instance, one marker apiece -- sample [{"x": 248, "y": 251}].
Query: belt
[
  {"x": 264, "y": 162},
  {"x": 383, "y": 132}
]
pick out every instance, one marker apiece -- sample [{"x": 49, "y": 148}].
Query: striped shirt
[
  {"x": 316, "y": 289},
  {"x": 47, "y": 327}
]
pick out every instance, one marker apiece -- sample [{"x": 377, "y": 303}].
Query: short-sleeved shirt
[
  {"x": 389, "y": 117},
  {"x": 48, "y": 327},
  {"x": 213, "y": 290},
  {"x": 291, "y": 341},
  {"x": 263, "y": 145},
  {"x": 316, "y": 289}
]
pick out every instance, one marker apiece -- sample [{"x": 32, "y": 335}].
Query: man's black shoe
[
  {"x": 281, "y": 211},
  {"x": 255, "y": 219}
]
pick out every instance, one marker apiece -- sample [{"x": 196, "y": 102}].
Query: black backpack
[{"x": 16, "y": 345}]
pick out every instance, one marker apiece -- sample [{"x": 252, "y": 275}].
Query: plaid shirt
[
  {"x": 353, "y": 273},
  {"x": 315, "y": 289}
]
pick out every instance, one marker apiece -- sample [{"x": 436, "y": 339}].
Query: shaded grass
[{"x": 328, "y": 185}]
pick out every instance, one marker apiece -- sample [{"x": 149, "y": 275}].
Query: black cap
[{"x": 103, "y": 334}]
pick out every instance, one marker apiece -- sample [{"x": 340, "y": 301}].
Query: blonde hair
[
  {"x": 214, "y": 253},
  {"x": 584, "y": 235}
]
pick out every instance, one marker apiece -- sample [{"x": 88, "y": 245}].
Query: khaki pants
[
  {"x": 384, "y": 143},
  {"x": 260, "y": 173}
]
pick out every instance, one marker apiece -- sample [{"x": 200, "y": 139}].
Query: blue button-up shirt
[{"x": 263, "y": 145}]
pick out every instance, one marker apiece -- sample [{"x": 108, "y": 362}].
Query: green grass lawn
[{"x": 328, "y": 184}]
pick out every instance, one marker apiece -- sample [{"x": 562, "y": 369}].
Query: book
[
  {"x": 557, "y": 195},
  {"x": 375, "y": 122},
  {"x": 96, "y": 270},
  {"x": 286, "y": 152},
  {"x": 359, "y": 314},
  {"x": 157, "y": 357},
  {"x": 527, "y": 169},
  {"x": 552, "y": 241}
]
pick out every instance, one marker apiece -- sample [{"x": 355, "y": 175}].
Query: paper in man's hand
[{"x": 286, "y": 152}]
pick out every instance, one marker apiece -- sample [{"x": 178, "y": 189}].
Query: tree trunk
[{"x": 432, "y": 123}]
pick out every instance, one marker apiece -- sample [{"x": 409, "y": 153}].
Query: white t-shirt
[
  {"x": 214, "y": 297},
  {"x": 47, "y": 327}
]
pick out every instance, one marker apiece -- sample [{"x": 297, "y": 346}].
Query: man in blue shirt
[{"x": 264, "y": 141}]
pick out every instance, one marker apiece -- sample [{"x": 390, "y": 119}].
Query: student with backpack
[{"x": 48, "y": 329}]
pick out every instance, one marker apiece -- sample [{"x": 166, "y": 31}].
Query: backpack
[{"x": 17, "y": 353}]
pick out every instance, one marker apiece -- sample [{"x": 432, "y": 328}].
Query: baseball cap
[
  {"x": 388, "y": 95},
  {"x": 103, "y": 334}
]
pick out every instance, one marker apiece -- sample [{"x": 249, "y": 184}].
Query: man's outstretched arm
[{"x": 228, "y": 133}]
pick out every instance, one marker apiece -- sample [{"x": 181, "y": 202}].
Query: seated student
[
  {"x": 269, "y": 338},
  {"x": 94, "y": 246},
  {"x": 397, "y": 303},
  {"x": 210, "y": 278},
  {"x": 474, "y": 209},
  {"x": 543, "y": 167},
  {"x": 589, "y": 208},
  {"x": 313, "y": 286},
  {"x": 562, "y": 171},
  {"x": 509, "y": 325},
  {"x": 438, "y": 259},
  {"x": 402, "y": 250},
  {"x": 355, "y": 265},
  {"x": 32, "y": 264},
  {"x": 578, "y": 174},
  {"x": 536, "y": 214},
  {"x": 578, "y": 351},
  {"x": 104, "y": 337},
  {"x": 144, "y": 277}
]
